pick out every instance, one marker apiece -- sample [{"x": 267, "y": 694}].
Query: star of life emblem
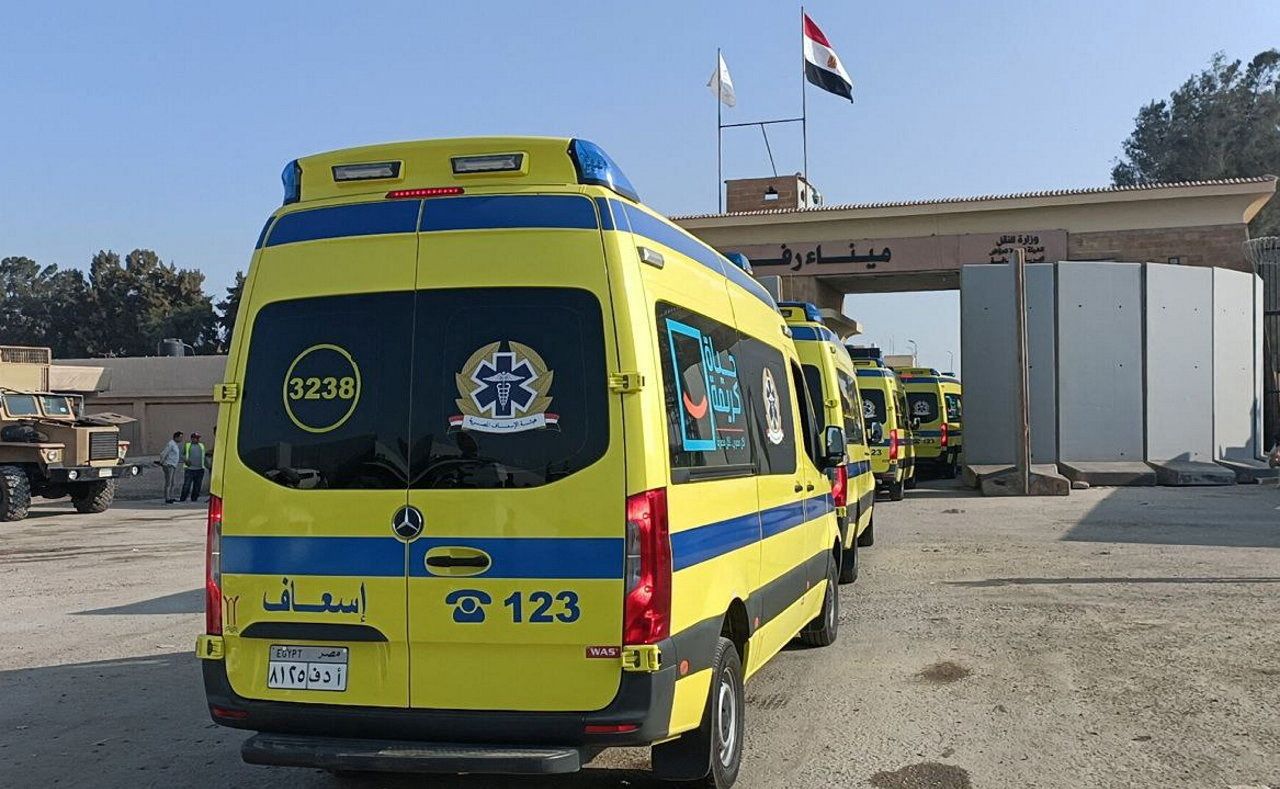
[{"x": 504, "y": 391}]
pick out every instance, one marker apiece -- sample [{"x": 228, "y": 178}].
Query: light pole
[
  {"x": 915, "y": 349},
  {"x": 951, "y": 361}
]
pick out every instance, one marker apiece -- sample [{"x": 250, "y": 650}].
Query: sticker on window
[
  {"x": 710, "y": 395},
  {"x": 869, "y": 409},
  {"x": 504, "y": 391},
  {"x": 772, "y": 409}
]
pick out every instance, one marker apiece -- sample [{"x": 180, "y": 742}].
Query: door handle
[
  {"x": 457, "y": 561},
  {"x": 799, "y": 487}
]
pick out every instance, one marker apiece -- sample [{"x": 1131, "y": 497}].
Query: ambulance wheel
[
  {"x": 849, "y": 562},
  {"x": 711, "y": 754},
  {"x": 93, "y": 496},
  {"x": 895, "y": 491},
  {"x": 824, "y": 628},
  {"x": 911, "y": 482},
  {"x": 15, "y": 493},
  {"x": 868, "y": 536}
]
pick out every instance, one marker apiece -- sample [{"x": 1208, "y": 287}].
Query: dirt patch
[
  {"x": 943, "y": 673},
  {"x": 769, "y": 701},
  {"x": 925, "y": 775}
]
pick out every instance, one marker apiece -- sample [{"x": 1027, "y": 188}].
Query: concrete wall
[
  {"x": 1042, "y": 373},
  {"x": 986, "y": 346},
  {"x": 1100, "y": 391},
  {"x": 164, "y": 393},
  {"x": 1236, "y": 354},
  {"x": 1179, "y": 362},
  {"x": 990, "y": 373}
]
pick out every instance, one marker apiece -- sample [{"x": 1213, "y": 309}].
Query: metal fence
[{"x": 1264, "y": 254}]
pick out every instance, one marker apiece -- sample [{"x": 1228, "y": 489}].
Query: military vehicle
[{"x": 48, "y": 446}]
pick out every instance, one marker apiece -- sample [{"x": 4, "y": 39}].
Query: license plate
[
  {"x": 104, "y": 472},
  {"x": 307, "y": 668}
]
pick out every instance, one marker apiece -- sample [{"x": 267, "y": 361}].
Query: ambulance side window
[
  {"x": 851, "y": 404},
  {"x": 706, "y": 403},
  {"x": 807, "y": 421}
]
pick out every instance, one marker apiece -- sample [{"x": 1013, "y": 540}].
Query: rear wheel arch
[{"x": 737, "y": 628}]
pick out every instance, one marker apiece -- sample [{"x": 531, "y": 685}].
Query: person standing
[
  {"x": 193, "y": 454},
  {"x": 169, "y": 458}
]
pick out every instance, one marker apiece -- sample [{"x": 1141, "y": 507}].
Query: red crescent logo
[{"x": 696, "y": 411}]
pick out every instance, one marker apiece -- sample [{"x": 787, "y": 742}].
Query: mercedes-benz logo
[{"x": 407, "y": 522}]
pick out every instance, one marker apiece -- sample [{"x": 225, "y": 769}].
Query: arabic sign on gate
[{"x": 891, "y": 255}]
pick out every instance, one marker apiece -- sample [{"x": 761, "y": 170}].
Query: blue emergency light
[{"x": 595, "y": 167}]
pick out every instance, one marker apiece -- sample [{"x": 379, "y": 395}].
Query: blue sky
[{"x": 166, "y": 125}]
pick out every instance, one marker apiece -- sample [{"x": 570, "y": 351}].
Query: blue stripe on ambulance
[
  {"x": 512, "y": 557},
  {"x": 494, "y": 212}
]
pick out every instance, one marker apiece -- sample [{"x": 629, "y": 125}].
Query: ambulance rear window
[
  {"x": 923, "y": 405},
  {"x": 459, "y": 388},
  {"x": 954, "y": 410},
  {"x": 873, "y": 405}
]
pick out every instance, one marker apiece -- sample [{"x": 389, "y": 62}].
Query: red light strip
[{"x": 430, "y": 191}]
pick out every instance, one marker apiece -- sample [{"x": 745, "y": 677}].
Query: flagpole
[
  {"x": 804, "y": 120},
  {"x": 719, "y": 138}
]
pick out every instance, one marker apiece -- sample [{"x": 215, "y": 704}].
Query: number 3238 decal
[{"x": 470, "y": 606}]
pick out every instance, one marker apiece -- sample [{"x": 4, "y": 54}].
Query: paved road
[{"x": 1126, "y": 637}]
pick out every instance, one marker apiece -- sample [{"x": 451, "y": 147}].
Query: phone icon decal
[{"x": 468, "y": 605}]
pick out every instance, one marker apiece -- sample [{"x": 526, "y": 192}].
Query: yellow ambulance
[
  {"x": 930, "y": 411},
  {"x": 511, "y": 470},
  {"x": 832, "y": 380},
  {"x": 889, "y": 428},
  {"x": 952, "y": 399}
]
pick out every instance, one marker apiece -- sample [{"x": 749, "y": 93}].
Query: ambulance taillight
[
  {"x": 213, "y": 569},
  {"x": 840, "y": 486},
  {"x": 893, "y": 444},
  {"x": 647, "y": 573},
  {"x": 942, "y": 442}
]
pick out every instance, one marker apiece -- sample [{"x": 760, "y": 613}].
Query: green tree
[
  {"x": 1221, "y": 123},
  {"x": 228, "y": 308},
  {"x": 43, "y": 306},
  {"x": 136, "y": 304}
]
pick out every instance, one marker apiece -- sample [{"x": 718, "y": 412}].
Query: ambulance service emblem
[{"x": 504, "y": 388}]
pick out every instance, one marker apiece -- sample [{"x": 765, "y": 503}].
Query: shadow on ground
[
  {"x": 1236, "y": 516},
  {"x": 191, "y": 602},
  {"x": 143, "y": 722}
]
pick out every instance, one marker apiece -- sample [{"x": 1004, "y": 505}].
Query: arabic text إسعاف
[{"x": 328, "y": 604}]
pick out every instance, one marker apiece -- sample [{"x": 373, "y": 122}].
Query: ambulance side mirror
[{"x": 833, "y": 448}]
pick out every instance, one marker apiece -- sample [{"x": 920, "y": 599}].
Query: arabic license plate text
[
  {"x": 307, "y": 668},
  {"x": 104, "y": 472}
]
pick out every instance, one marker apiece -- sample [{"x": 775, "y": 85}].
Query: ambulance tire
[
  {"x": 868, "y": 536},
  {"x": 89, "y": 497},
  {"x": 824, "y": 628},
  {"x": 896, "y": 491},
  {"x": 910, "y": 484},
  {"x": 849, "y": 561},
  {"x": 15, "y": 493},
  {"x": 711, "y": 754}
]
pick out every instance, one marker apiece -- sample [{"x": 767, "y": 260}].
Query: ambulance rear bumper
[
  {"x": 641, "y": 707},
  {"x": 332, "y": 753}
]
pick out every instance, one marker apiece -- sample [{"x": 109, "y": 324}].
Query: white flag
[{"x": 721, "y": 84}]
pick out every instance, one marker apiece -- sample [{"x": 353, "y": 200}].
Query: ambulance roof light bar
[{"x": 595, "y": 167}]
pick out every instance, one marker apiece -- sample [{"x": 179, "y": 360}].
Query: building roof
[{"x": 1264, "y": 181}]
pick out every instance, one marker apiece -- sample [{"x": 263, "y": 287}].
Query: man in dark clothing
[{"x": 193, "y": 454}]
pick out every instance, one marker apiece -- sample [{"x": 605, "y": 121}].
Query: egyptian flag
[{"x": 821, "y": 66}]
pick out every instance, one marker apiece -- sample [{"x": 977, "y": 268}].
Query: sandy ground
[{"x": 1119, "y": 637}]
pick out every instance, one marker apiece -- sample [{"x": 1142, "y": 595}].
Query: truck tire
[
  {"x": 824, "y": 628},
  {"x": 93, "y": 496},
  {"x": 711, "y": 754},
  {"x": 15, "y": 493}
]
